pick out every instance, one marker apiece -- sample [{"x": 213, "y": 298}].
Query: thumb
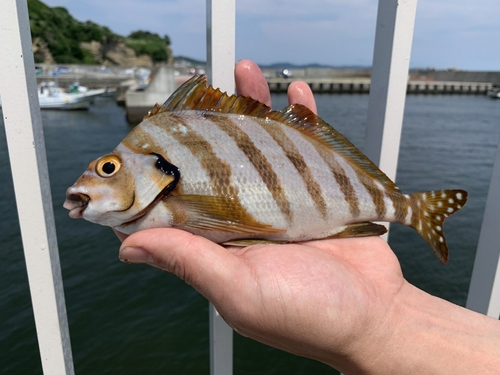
[
  {"x": 200, "y": 262},
  {"x": 299, "y": 92}
]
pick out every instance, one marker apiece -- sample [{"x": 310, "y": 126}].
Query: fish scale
[{"x": 234, "y": 171}]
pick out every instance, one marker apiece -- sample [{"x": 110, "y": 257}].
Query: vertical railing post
[
  {"x": 23, "y": 127},
  {"x": 484, "y": 289},
  {"x": 221, "y": 16},
  {"x": 391, "y": 62}
]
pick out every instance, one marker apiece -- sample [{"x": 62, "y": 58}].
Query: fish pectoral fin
[
  {"x": 220, "y": 214},
  {"x": 253, "y": 241},
  {"x": 364, "y": 229}
]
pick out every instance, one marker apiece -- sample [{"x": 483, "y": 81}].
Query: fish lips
[{"x": 76, "y": 204}]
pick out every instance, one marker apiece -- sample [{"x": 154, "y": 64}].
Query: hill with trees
[{"x": 59, "y": 38}]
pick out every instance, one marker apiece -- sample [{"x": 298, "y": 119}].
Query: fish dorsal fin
[
  {"x": 311, "y": 125},
  {"x": 195, "y": 95}
]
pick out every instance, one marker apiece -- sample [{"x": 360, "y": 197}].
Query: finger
[
  {"x": 200, "y": 262},
  {"x": 300, "y": 93},
  {"x": 251, "y": 82}
]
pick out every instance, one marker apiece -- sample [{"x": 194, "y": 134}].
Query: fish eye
[{"x": 108, "y": 166}]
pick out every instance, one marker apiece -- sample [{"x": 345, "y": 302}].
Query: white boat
[
  {"x": 50, "y": 96},
  {"x": 495, "y": 94}
]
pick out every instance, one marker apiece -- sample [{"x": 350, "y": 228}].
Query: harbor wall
[
  {"x": 457, "y": 75},
  {"x": 451, "y": 75},
  {"x": 362, "y": 86},
  {"x": 139, "y": 102}
]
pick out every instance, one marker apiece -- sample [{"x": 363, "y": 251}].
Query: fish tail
[{"x": 430, "y": 210}]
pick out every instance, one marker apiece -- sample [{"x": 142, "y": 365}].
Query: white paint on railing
[
  {"x": 391, "y": 62},
  {"x": 221, "y": 22},
  {"x": 23, "y": 127},
  {"x": 484, "y": 289}
]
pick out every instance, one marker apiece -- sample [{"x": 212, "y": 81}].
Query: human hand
[
  {"x": 343, "y": 302},
  {"x": 323, "y": 299}
]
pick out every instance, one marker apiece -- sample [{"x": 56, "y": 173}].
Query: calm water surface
[{"x": 130, "y": 319}]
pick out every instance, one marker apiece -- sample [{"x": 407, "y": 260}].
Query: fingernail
[{"x": 135, "y": 255}]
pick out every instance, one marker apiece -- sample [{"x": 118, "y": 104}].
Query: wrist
[{"x": 427, "y": 335}]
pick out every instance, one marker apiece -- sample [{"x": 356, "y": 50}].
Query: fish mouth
[{"x": 76, "y": 204}]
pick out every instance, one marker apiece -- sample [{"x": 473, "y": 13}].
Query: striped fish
[{"x": 230, "y": 169}]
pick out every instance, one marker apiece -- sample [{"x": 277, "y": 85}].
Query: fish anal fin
[
  {"x": 433, "y": 209},
  {"x": 252, "y": 241},
  {"x": 215, "y": 213},
  {"x": 364, "y": 229}
]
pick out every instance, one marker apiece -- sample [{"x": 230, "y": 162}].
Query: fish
[{"x": 231, "y": 169}]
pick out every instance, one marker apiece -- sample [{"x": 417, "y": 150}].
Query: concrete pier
[
  {"x": 362, "y": 86},
  {"x": 139, "y": 102},
  {"x": 447, "y": 87},
  {"x": 327, "y": 85}
]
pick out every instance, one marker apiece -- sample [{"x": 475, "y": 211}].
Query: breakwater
[{"x": 362, "y": 86}]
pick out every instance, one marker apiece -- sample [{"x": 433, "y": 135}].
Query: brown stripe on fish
[
  {"x": 416, "y": 219},
  {"x": 377, "y": 196},
  {"x": 401, "y": 204},
  {"x": 258, "y": 160},
  {"x": 220, "y": 177},
  {"x": 342, "y": 180},
  {"x": 300, "y": 165}
]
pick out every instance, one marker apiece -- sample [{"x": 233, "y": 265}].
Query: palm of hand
[{"x": 282, "y": 289}]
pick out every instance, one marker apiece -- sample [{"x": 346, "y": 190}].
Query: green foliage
[
  {"x": 61, "y": 32},
  {"x": 63, "y": 35},
  {"x": 141, "y": 34},
  {"x": 146, "y": 43}
]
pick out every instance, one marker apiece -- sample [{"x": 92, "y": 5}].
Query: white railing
[
  {"x": 391, "y": 62},
  {"x": 23, "y": 127},
  {"x": 484, "y": 289},
  {"x": 221, "y": 44},
  {"x": 22, "y": 119}
]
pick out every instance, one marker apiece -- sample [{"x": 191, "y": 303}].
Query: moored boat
[
  {"x": 495, "y": 93},
  {"x": 51, "y": 96}
]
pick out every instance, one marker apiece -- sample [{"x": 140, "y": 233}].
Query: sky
[{"x": 462, "y": 34}]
